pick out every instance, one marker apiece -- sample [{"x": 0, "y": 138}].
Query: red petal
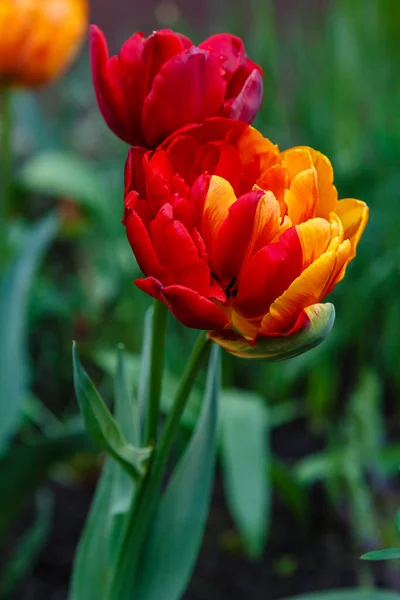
[
  {"x": 188, "y": 88},
  {"x": 143, "y": 249},
  {"x": 134, "y": 173},
  {"x": 229, "y": 49},
  {"x": 159, "y": 47},
  {"x": 268, "y": 274},
  {"x": 186, "y": 305},
  {"x": 237, "y": 82},
  {"x": 234, "y": 235},
  {"x": 108, "y": 88},
  {"x": 177, "y": 251},
  {"x": 247, "y": 103},
  {"x": 157, "y": 189}
]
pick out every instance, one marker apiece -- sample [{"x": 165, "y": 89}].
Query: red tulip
[
  {"x": 163, "y": 82},
  {"x": 237, "y": 237}
]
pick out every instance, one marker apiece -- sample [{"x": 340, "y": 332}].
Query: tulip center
[{"x": 232, "y": 290}]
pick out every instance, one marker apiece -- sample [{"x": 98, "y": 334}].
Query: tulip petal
[
  {"x": 354, "y": 216},
  {"x": 309, "y": 288},
  {"x": 268, "y": 273},
  {"x": 327, "y": 192},
  {"x": 188, "y": 89},
  {"x": 235, "y": 234},
  {"x": 296, "y": 160},
  {"x": 134, "y": 175},
  {"x": 311, "y": 328},
  {"x": 301, "y": 198},
  {"x": 228, "y": 48},
  {"x": 315, "y": 236},
  {"x": 257, "y": 153},
  {"x": 143, "y": 250},
  {"x": 109, "y": 96},
  {"x": 159, "y": 47},
  {"x": 112, "y": 78},
  {"x": 247, "y": 103},
  {"x": 189, "y": 307},
  {"x": 267, "y": 224},
  {"x": 219, "y": 199},
  {"x": 177, "y": 251}
]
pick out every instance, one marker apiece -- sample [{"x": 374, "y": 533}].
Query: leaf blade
[
  {"x": 245, "y": 456},
  {"x": 166, "y": 569},
  {"x": 14, "y": 294}
]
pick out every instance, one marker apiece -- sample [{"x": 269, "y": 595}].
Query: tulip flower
[
  {"x": 237, "y": 237},
  {"x": 160, "y": 83},
  {"x": 38, "y": 39}
]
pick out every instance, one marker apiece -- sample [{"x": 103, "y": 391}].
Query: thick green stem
[
  {"x": 129, "y": 553},
  {"x": 5, "y": 152},
  {"x": 159, "y": 329}
]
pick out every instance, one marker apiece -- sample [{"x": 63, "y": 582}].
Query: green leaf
[
  {"x": 101, "y": 426},
  {"x": 14, "y": 293},
  {"x": 62, "y": 174},
  {"x": 26, "y": 553},
  {"x": 114, "y": 494},
  {"x": 245, "y": 456},
  {"x": 127, "y": 418},
  {"x": 174, "y": 540},
  {"x": 91, "y": 570},
  {"x": 386, "y": 554},
  {"x": 351, "y": 594}
]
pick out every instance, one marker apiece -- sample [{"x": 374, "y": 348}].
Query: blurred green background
[{"x": 319, "y": 434}]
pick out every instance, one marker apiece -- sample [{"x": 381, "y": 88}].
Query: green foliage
[
  {"x": 180, "y": 517},
  {"x": 386, "y": 554},
  {"x": 245, "y": 455},
  {"x": 100, "y": 424},
  {"x": 26, "y": 553},
  {"x": 15, "y": 283}
]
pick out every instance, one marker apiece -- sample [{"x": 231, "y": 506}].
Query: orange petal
[
  {"x": 219, "y": 199},
  {"x": 343, "y": 255},
  {"x": 315, "y": 236},
  {"x": 327, "y": 192},
  {"x": 296, "y": 160},
  {"x": 309, "y": 288},
  {"x": 354, "y": 216},
  {"x": 301, "y": 198},
  {"x": 252, "y": 144},
  {"x": 275, "y": 180},
  {"x": 267, "y": 224}
]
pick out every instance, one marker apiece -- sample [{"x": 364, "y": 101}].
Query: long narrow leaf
[
  {"x": 91, "y": 568},
  {"x": 14, "y": 293},
  {"x": 175, "y": 538},
  {"x": 100, "y": 424},
  {"x": 28, "y": 549},
  {"x": 127, "y": 418},
  {"x": 245, "y": 455}
]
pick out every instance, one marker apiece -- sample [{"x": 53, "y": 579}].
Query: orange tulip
[
  {"x": 239, "y": 238},
  {"x": 39, "y": 39}
]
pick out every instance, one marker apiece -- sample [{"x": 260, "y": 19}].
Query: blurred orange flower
[{"x": 39, "y": 39}]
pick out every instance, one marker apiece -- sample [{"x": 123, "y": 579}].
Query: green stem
[
  {"x": 5, "y": 152},
  {"x": 160, "y": 316},
  {"x": 143, "y": 508}
]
